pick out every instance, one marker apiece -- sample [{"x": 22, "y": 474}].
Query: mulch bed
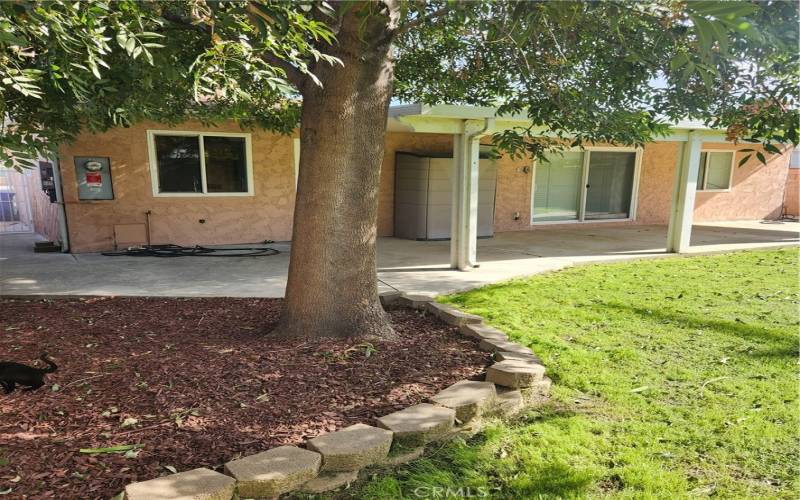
[{"x": 197, "y": 382}]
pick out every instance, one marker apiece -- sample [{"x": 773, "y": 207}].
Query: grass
[{"x": 673, "y": 378}]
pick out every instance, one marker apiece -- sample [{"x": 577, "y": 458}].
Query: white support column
[
  {"x": 456, "y": 188},
  {"x": 464, "y": 189},
  {"x": 681, "y": 214}
]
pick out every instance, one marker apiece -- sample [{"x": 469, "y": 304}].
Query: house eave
[{"x": 449, "y": 119}]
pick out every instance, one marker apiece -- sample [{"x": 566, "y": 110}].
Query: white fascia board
[{"x": 448, "y": 118}]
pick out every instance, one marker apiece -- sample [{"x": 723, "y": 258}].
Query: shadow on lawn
[{"x": 781, "y": 342}]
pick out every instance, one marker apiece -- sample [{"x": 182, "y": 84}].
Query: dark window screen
[
  {"x": 178, "y": 160},
  {"x": 226, "y": 168}
]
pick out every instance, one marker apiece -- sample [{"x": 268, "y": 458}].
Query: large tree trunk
[{"x": 332, "y": 287}]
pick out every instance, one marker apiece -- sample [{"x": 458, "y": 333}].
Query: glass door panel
[
  {"x": 557, "y": 187},
  {"x": 609, "y": 186}
]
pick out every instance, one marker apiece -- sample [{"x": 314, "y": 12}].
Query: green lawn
[{"x": 673, "y": 378}]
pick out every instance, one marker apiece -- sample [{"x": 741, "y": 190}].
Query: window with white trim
[
  {"x": 716, "y": 170},
  {"x": 200, "y": 164}
]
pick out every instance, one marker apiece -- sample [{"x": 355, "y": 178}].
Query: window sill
[{"x": 202, "y": 195}]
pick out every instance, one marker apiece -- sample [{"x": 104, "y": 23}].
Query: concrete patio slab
[{"x": 418, "y": 267}]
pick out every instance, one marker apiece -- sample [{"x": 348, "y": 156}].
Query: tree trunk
[{"x": 332, "y": 286}]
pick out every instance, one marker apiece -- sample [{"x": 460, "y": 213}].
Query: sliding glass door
[
  {"x": 556, "y": 193},
  {"x": 585, "y": 185},
  {"x": 609, "y": 185}
]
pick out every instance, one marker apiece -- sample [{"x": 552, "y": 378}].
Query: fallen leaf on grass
[{"x": 640, "y": 389}]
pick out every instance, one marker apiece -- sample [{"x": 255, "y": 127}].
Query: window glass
[
  {"x": 609, "y": 187},
  {"x": 718, "y": 170},
  {"x": 226, "y": 168},
  {"x": 701, "y": 172},
  {"x": 557, "y": 187},
  {"x": 178, "y": 160},
  {"x": 794, "y": 162}
]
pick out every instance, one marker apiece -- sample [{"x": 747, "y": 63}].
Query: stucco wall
[
  {"x": 266, "y": 215},
  {"x": 792, "y": 198},
  {"x": 515, "y": 187},
  {"x": 756, "y": 191}
]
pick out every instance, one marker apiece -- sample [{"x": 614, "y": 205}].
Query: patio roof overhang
[
  {"x": 449, "y": 119},
  {"x": 468, "y": 124}
]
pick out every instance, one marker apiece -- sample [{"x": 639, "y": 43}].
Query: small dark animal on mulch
[{"x": 14, "y": 374}]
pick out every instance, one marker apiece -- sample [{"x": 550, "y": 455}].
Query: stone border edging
[{"x": 516, "y": 380}]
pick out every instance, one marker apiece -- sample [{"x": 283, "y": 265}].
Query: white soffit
[{"x": 448, "y": 119}]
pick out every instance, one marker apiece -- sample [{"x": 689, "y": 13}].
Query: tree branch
[
  {"x": 186, "y": 22},
  {"x": 293, "y": 74},
  {"x": 422, "y": 19}
]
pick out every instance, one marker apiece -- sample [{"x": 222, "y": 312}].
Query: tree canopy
[{"x": 613, "y": 71}]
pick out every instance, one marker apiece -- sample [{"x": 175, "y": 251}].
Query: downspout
[
  {"x": 487, "y": 122},
  {"x": 62, "y": 214}
]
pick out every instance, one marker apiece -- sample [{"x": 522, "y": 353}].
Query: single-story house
[{"x": 194, "y": 185}]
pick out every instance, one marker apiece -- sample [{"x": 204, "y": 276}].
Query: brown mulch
[{"x": 197, "y": 382}]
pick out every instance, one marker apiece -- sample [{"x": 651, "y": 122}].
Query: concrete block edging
[{"x": 515, "y": 381}]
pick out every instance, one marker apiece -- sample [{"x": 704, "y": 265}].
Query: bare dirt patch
[{"x": 195, "y": 382}]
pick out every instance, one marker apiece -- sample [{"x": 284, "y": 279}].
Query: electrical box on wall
[{"x": 93, "y": 174}]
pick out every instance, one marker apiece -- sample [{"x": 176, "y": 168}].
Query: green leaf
[
  {"x": 122, "y": 448},
  {"x": 130, "y": 44},
  {"x": 744, "y": 160}
]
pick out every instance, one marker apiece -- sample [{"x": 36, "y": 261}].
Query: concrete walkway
[{"x": 409, "y": 266}]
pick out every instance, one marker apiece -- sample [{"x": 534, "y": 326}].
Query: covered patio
[
  {"x": 405, "y": 265},
  {"x": 470, "y": 124}
]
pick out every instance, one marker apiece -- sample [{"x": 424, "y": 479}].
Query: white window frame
[
  {"x": 794, "y": 159},
  {"x": 584, "y": 180},
  {"x": 705, "y": 170},
  {"x": 151, "y": 146}
]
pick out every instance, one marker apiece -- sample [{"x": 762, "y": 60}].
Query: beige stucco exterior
[
  {"x": 792, "y": 198},
  {"x": 236, "y": 219},
  {"x": 757, "y": 190}
]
